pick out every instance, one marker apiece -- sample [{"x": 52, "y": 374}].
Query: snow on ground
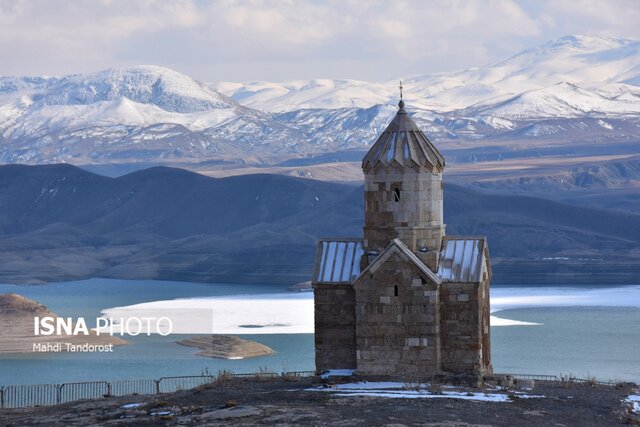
[
  {"x": 634, "y": 401},
  {"x": 338, "y": 373},
  {"x": 396, "y": 390},
  {"x": 292, "y": 312},
  {"x": 131, "y": 405}
]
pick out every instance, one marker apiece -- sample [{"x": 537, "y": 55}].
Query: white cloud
[
  {"x": 606, "y": 18},
  {"x": 269, "y": 39},
  {"x": 288, "y": 22}
]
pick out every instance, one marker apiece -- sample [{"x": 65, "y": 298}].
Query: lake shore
[
  {"x": 585, "y": 341},
  {"x": 226, "y": 347},
  {"x": 17, "y": 331}
]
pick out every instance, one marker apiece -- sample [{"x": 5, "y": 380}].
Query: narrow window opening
[
  {"x": 396, "y": 195},
  {"x": 395, "y": 290}
]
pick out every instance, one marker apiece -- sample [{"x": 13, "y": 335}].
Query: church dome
[{"x": 403, "y": 144}]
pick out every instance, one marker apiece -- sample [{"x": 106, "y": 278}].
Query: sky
[{"x": 245, "y": 40}]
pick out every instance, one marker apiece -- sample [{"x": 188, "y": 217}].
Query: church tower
[
  {"x": 404, "y": 191},
  {"x": 406, "y": 300}
]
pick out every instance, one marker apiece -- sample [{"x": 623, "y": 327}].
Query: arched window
[{"x": 396, "y": 195}]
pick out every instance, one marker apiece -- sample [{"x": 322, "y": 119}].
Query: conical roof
[{"x": 403, "y": 144}]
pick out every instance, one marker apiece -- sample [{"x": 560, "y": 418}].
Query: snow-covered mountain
[
  {"x": 136, "y": 96},
  {"x": 585, "y": 62},
  {"x": 143, "y": 112},
  {"x": 572, "y": 87}
]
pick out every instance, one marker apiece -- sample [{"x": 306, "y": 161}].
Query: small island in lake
[
  {"x": 17, "y": 333},
  {"x": 226, "y": 347}
]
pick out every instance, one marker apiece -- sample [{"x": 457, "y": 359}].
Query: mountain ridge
[
  {"x": 146, "y": 114},
  {"x": 575, "y": 59},
  {"x": 59, "y": 222}
]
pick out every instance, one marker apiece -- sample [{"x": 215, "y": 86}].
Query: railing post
[{"x": 2, "y": 397}]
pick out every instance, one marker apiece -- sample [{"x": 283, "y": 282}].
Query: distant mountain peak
[
  {"x": 149, "y": 113},
  {"x": 588, "y": 42},
  {"x": 162, "y": 87}
]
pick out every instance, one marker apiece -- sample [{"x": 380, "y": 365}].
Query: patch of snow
[
  {"x": 376, "y": 385},
  {"x": 605, "y": 124},
  {"x": 131, "y": 405},
  {"x": 427, "y": 395},
  {"x": 634, "y": 401},
  {"x": 338, "y": 373},
  {"x": 396, "y": 390},
  {"x": 497, "y": 123},
  {"x": 498, "y": 321},
  {"x": 161, "y": 413}
]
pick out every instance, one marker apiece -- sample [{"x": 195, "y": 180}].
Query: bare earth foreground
[{"x": 312, "y": 401}]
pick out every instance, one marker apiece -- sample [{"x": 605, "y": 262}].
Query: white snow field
[{"x": 292, "y": 313}]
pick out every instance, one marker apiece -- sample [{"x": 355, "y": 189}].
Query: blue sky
[{"x": 230, "y": 40}]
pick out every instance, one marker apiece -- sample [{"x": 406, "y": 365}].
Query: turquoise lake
[{"x": 574, "y": 335}]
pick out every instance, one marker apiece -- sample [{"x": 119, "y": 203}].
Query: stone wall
[
  {"x": 460, "y": 321},
  {"x": 403, "y": 203},
  {"x": 485, "y": 329},
  {"x": 397, "y": 322},
  {"x": 334, "y": 326}
]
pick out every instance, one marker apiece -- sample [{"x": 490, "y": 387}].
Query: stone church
[{"x": 407, "y": 300}]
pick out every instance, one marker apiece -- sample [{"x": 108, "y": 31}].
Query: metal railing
[
  {"x": 171, "y": 384},
  {"x": 134, "y": 387},
  {"x": 21, "y": 396},
  {"x": 70, "y": 392},
  {"x": 535, "y": 377},
  {"x": 18, "y": 396},
  {"x": 561, "y": 378}
]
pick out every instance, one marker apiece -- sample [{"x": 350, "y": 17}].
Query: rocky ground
[{"x": 315, "y": 402}]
